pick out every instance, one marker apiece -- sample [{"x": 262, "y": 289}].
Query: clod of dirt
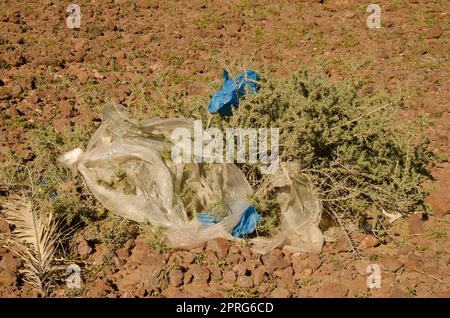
[
  {"x": 416, "y": 224},
  {"x": 284, "y": 278},
  {"x": 439, "y": 201},
  {"x": 60, "y": 124},
  {"x": 100, "y": 289},
  {"x": 258, "y": 275},
  {"x": 390, "y": 263},
  {"x": 124, "y": 252},
  {"x": 219, "y": 246},
  {"x": 7, "y": 278},
  {"x": 200, "y": 274},
  {"x": 4, "y": 226},
  {"x": 280, "y": 293},
  {"x": 216, "y": 275},
  {"x": 368, "y": 241},
  {"x": 313, "y": 262},
  {"x": 102, "y": 255},
  {"x": 176, "y": 278},
  {"x": 84, "y": 249},
  {"x": 245, "y": 281},
  {"x": 275, "y": 260},
  {"x": 435, "y": 32},
  {"x": 229, "y": 277}
]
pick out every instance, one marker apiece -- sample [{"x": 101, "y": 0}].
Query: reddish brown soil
[{"x": 125, "y": 49}]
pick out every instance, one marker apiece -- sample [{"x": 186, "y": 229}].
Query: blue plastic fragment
[
  {"x": 249, "y": 78},
  {"x": 228, "y": 96},
  {"x": 247, "y": 223},
  {"x": 208, "y": 219}
]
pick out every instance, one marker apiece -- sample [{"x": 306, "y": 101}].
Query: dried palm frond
[{"x": 34, "y": 239}]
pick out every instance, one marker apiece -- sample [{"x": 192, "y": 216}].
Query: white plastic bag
[{"x": 137, "y": 153}]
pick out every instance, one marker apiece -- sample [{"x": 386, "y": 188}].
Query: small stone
[
  {"x": 234, "y": 249},
  {"x": 187, "y": 277},
  {"x": 431, "y": 267},
  {"x": 10, "y": 262},
  {"x": 275, "y": 260},
  {"x": 60, "y": 124},
  {"x": 124, "y": 252},
  {"x": 349, "y": 14},
  {"x": 102, "y": 255},
  {"x": 280, "y": 293},
  {"x": 361, "y": 267},
  {"x": 219, "y": 246},
  {"x": 415, "y": 224},
  {"x": 16, "y": 91},
  {"x": 95, "y": 31},
  {"x": 313, "y": 261},
  {"x": 188, "y": 258},
  {"x": 264, "y": 288},
  {"x": 216, "y": 274},
  {"x": 245, "y": 281},
  {"x": 246, "y": 252},
  {"x": 211, "y": 257},
  {"x": 200, "y": 274},
  {"x": 244, "y": 268},
  {"x": 4, "y": 226},
  {"x": 229, "y": 277},
  {"x": 84, "y": 249},
  {"x": 158, "y": 280},
  {"x": 141, "y": 254},
  {"x": 65, "y": 108},
  {"x": 176, "y": 278},
  {"x": 100, "y": 289},
  {"x": 435, "y": 32},
  {"x": 368, "y": 241},
  {"x": 297, "y": 262},
  {"x": 390, "y": 263},
  {"x": 411, "y": 260},
  {"x": 7, "y": 278},
  {"x": 232, "y": 259},
  {"x": 285, "y": 278},
  {"x": 258, "y": 276},
  {"x": 198, "y": 249},
  {"x": 439, "y": 201}
]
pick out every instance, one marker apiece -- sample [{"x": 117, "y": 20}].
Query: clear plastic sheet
[{"x": 155, "y": 183}]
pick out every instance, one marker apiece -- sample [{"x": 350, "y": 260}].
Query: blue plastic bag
[
  {"x": 228, "y": 96},
  {"x": 249, "y": 78},
  {"x": 247, "y": 223},
  {"x": 222, "y": 101},
  {"x": 208, "y": 219}
]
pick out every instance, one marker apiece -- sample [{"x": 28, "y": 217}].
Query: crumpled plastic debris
[
  {"x": 227, "y": 97},
  {"x": 208, "y": 219},
  {"x": 247, "y": 223},
  {"x": 247, "y": 79},
  {"x": 155, "y": 183}
]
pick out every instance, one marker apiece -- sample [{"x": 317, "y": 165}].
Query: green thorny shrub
[{"x": 358, "y": 159}]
